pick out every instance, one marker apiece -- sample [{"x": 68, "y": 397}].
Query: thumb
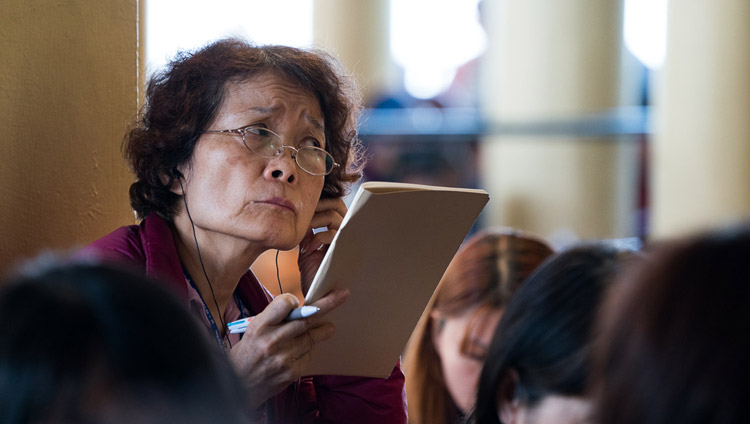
[{"x": 277, "y": 310}]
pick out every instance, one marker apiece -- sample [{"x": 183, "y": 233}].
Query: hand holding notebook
[{"x": 391, "y": 250}]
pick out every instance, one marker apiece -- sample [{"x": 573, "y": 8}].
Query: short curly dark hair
[{"x": 184, "y": 98}]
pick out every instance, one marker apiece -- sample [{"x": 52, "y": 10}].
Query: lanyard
[
  {"x": 214, "y": 327},
  {"x": 224, "y": 342}
]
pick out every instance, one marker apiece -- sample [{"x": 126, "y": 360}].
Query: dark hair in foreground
[
  {"x": 184, "y": 99},
  {"x": 545, "y": 335},
  {"x": 676, "y": 336},
  {"x": 88, "y": 343}
]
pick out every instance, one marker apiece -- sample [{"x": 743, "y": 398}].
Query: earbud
[{"x": 177, "y": 174}]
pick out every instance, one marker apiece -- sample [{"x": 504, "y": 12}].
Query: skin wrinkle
[
  {"x": 275, "y": 109},
  {"x": 233, "y": 223},
  {"x": 270, "y": 110}
]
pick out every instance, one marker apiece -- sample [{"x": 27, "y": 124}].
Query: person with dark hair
[
  {"x": 241, "y": 149},
  {"x": 676, "y": 335},
  {"x": 86, "y": 343},
  {"x": 538, "y": 362},
  {"x": 449, "y": 344}
]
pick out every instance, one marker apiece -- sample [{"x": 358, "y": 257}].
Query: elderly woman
[{"x": 241, "y": 149}]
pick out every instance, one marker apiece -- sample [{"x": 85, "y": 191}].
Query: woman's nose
[{"x": 283, "y": 167}]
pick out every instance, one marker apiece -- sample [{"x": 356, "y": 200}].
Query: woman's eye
[
  {"x": 475, "y": 351},
  {"x": 310, "y": 142}
]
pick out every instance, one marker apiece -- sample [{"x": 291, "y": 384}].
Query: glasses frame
[{"x": 242, "y": 130}]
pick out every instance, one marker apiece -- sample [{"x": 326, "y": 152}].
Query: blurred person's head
[
  {"x": 446, "y": 350},
  {"x": 676, "y": 336},
  {"x": 538, "y": 363},
  {"x": 89, "y": 343}
]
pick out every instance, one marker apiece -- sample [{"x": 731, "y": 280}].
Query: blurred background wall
[
  {"x": 545, "y": 104},
  {"x": 68, "y": 88}
]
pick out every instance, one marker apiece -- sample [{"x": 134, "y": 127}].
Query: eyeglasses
[{"x": 266, "y": 143}]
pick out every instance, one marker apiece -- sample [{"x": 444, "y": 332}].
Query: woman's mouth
[{"x": 278, "y": 202}]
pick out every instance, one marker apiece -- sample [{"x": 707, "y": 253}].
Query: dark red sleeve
[{"x": 122, "y": 247}]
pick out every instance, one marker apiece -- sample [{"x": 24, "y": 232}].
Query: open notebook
[{"x": 394, "y": 245}]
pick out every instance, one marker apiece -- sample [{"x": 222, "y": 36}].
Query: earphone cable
[
  {"x": 278, "y": 277},
  {"x": 200, "y": 259}
]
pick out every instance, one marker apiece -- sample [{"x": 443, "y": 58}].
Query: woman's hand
[
  {"x": 328, "y": 213},
  {"x": 273, "y": 354}
]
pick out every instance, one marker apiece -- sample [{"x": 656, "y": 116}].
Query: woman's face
[
  {"x": 233, "y": 192},
  {"x": 461, "y": 369}
]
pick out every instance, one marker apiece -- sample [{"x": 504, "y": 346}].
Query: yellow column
[
  {"x": 701, "y": 158},
  {"x": 551, "y": 60},
  {"x": 68, "y": 88},
  {"x": 357, "y": 32}
]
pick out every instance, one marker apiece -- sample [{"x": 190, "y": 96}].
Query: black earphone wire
[
  {"x": 278, "y": 277},
  {"x": 200, "y": 258}
]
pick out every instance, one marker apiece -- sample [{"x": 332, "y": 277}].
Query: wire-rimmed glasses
[{"x": 266, "y": 143}]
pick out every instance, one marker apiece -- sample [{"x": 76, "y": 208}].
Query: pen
[
  {"x": 302, "y": 312},
  {"x": 239, "y": 326}
]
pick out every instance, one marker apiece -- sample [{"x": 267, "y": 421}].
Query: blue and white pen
[{"x": 239, "y": 326}]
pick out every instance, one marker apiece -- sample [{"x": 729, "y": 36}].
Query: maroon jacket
[{"x": 319, "y": 399}]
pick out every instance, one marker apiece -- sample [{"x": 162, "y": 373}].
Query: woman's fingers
[
  {"x": 268, "y": 355},
  {"x": 328, "y": 221},
  {"x": 329, "y": 302},
  {"x": 271, "y": 321},
  {"x": 277, "y": 310},
  {"x": 336, "y": 204},
  {"x": 274, "y": 353},
  {"x": 305, "y": 343},
  {"x": 329, "y": 214}
]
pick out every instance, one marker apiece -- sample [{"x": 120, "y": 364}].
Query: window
[
  {"x": 174, "y": 25},
  {"x": 645, "y": 30},
  {"x": 430, "y": 39}
]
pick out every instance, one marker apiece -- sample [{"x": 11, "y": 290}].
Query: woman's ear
[
  {"x": 508, "y": 404},
  {"x": 173, "y": 181}
]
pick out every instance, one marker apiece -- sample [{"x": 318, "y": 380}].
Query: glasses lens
[
  {"x": 262, "y": 141},
  {"x": 314, "y": 160}
]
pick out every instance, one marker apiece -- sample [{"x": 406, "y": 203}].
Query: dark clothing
[{"x": 320, "y": 399}]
